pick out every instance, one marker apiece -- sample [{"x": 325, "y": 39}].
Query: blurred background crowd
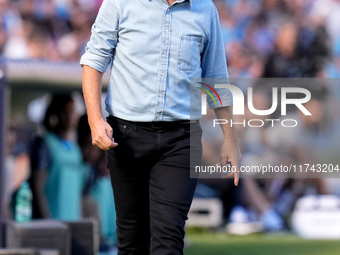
[
  {"x": 263, "y": 39},
  {"x": 276, "y": 38}
]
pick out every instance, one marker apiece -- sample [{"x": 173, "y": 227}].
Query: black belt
[{"x": 153, "y": 124}]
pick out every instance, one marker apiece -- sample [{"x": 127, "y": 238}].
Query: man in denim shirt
[{"x": 156, "y": 47}]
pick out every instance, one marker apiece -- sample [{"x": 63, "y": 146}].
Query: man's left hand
[{"x": 231, "y": 155}]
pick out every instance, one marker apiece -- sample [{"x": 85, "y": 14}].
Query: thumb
[
  {"x": 223, "y": 161},
  {"x": 109, "y": 132}
]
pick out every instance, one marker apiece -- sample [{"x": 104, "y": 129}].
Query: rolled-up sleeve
[
  {"x": 214, "y": 64},
  {"x": 104, "y": 37}
]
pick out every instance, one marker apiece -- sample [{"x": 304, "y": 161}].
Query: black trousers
[{"x": 152, "y": 186}]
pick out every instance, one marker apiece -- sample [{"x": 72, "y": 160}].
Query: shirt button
[{"x": 166, "y": 30}]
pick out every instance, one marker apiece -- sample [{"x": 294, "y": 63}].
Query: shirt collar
[{"x": 181, "y": 1}]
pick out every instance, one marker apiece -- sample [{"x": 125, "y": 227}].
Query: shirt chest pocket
[{"x": 190, "y": 49}]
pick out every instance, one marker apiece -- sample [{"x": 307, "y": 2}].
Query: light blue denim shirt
[{"x": 155, "y": 50}]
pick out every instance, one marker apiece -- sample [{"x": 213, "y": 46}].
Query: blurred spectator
[
  {"x": 294, "y": 56},
  {"x": 58, "y": 174},
  {"x": 72, "y": 44},
  {"x": 17, "y": 169},
  {"x": 39, "y": 43},
  {"x": 283, "y": 62}
]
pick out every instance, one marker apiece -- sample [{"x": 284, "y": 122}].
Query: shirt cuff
[
  {"x": 225, "y": 96},
  {"x": 97, "y": 62}
]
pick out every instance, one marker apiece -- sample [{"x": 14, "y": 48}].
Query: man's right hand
[{"x": 102, "y": 133}]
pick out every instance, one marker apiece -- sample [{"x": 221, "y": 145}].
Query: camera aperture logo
[{"x": 239, "y": 104}]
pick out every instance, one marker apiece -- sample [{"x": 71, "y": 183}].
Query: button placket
[{"x": 164, "y": 65}]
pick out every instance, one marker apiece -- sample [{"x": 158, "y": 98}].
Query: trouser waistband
[{"x": 152, "y": 124}]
